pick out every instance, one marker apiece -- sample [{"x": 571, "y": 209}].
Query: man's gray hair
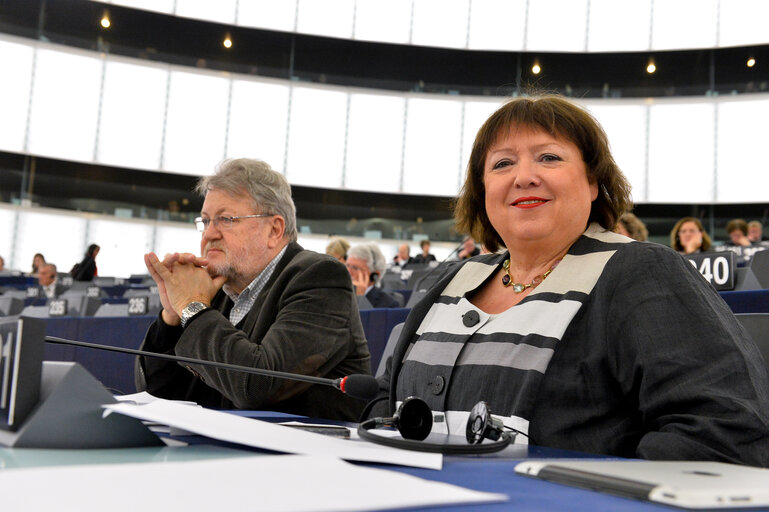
[
  {"x": 269, "y": 189},
  {"x": 371, "y": 254}
]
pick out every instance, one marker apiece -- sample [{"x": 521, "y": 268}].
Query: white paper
[
  {"x": 269, "y": 482},
  {"x": 261, "y": 434}
]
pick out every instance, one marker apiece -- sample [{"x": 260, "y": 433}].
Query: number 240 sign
[{"x": 717, "y": 268}]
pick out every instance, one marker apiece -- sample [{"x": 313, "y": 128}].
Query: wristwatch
[{"x": 190, "y": 310}]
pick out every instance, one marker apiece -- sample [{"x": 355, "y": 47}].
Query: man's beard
[{"x": 228, "y": 268}]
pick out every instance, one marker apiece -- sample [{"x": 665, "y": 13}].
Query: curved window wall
[
  {"x": 507, "y": 25},
  {"x": 98, "y": 108}
]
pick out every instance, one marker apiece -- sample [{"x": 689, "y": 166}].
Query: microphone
[{"x": 360, "y": 386}]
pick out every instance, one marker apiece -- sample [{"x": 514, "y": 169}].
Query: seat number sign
[{"x": 717, "y": 268}]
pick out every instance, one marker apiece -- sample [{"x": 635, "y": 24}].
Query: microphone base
[{"x": 69, "y": 415}]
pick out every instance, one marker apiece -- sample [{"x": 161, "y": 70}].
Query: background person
[
  {"x": 574, "y": 336},
  {"x": 425, "y": 256},
  {"x": 688, "y": 236},
  {"x": 469, "y": 249},
  {"x": 338, "y": 248},
  {"x": 47, "y": 280},
  {"x": 38, "y": 260},
  {"x": 86, "y": 270},
  {"x": 366, "y": 264},
  {"x": 254, "y": 298},
  {"x": 632, "y": 227},
  {"x": 402, "y": 258},
  {"x": 755, "y": 231}
]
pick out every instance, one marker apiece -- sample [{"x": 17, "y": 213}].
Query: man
[
  {"x": 253, "y": 298},
  {"x": 48, "y": 282},
  {"x": 469, "y": 249},
  {"x": 366, "y": 264},
  {"x": 402, "y": 258}
]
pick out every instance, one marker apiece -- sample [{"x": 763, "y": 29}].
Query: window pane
[
  {"x": 383, "y": 21},
  {"x": 16, "y": 63},
  {"x": 476, "y": 113},
  {"x": 743, "y": 22},
  {"x": 123, "y": 245},
  {"x": 132, "y": 115},
  {"x": 166, "y": 6},
  {"x": 450, "y": 32},
  {"x": 619, "y": 26},
  {"x": 175, "y": 237},
  {"x": 65, "y": 102},
  {"x": 564, "y": 32},
  {"x": 432, "y": 163},
  {"x": 374, "y": 143},
  {"x": 743, "y": 177},
  {"x": 222, "y": 11},
  {"x": 497, "y": 24},
  {"x": 681, "y": 153},
  {"x": 60, "y": 238},
  {"x": 673, "y": 25},
  {"x": 268, "y": 14},
  {"x": 625, "y": 125},
  {"x": 258, "y": 117},
  {"x": 332, "y": 18},
  {"x": 196, "y": 124},
  {"x": 316, "y": 137}
]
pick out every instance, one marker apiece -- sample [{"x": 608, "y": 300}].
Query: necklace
[{"x": 507, "y": 279}]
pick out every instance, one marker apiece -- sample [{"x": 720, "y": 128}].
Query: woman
[
  {"x": 86, "y": 270},
  {"x": 576, "y": 336},
  {"x": 688, "y": 236},
  {"x": 425, "y": 256},
  {"x": 632, "y": 227},
  {"x": 38, "y": 260},
  {"x": 338, "y": 248}
]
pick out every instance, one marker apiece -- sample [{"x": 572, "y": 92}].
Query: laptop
[{"x": 693, "y": 485}]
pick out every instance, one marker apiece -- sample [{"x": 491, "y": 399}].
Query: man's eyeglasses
[{"x": 222, "y": 222}]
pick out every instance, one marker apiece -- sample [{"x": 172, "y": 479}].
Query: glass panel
[
  {"x": 332, "y": 18},
  {"x": 681, "y": 156},
  {"x": 222, "y": 11},
  {"x": 743, "y": 22},
  {"x": 685, "y": 24},
  {"x": 65, "y": 102},
  {"x": 123, "y": 245},
  {"x": 170, "y": 238},
  {"x": 166, "y": 6},
  {"x": 450, "y": 32},
  {"x": 16, "y": 63},
  {"x": 374, "y": 143},
  {"x": 432, "y": 163},
  {"x": 497, "y": 24},
  {"x": 58, "y": 237},
  {"x": 625, "y": 125},
  {"x": 268, "y": 14},
  {"x": 133, "y": 105},
  {"x": 619, "y": 26},
  {"x": 316, "y": 137},
  {"x": 383, "y": 21},
  {"x": 258, "y": 117},
  {"x": 564, "y": 32},
  {"x": 8, "y": 220},
  {"x": 743, "y": 174},
  {"x": 196, "y": 123},
  {"x": 476, "y": 113}
]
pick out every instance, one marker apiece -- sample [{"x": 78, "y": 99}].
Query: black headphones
[{"x": 414, "y": 421}]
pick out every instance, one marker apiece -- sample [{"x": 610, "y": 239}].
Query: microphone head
[{"x": 361, "y": 386}]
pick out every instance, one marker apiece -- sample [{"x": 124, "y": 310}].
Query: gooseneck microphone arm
[{"x": 360, "y": 386}]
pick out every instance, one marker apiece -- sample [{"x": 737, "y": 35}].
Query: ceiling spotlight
[
  {"x": 536, "y": 68},
  {"x": 751, "y": 62},
  {"x": 227, "y": 42},
  {"x": 105, "y": 21},
  {"x": 651, "y": 68}
]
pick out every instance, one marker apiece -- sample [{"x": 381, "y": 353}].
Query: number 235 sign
[{"x": 716, "y": 267}]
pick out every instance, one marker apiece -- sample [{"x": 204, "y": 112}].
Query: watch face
[{"x": 191, "y": 310}]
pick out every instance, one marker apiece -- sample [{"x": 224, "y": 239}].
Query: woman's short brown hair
[
  {"x": 559, "y": 118},
  {"x": 675, "y": 241}
]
